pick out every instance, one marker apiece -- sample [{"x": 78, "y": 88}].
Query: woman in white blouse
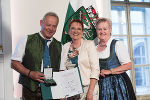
[
  {"x": 82, "y": 53},
  {"x": 114, "y": 61}
]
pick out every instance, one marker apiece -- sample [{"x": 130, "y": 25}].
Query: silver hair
[
  {"x": 102, "y": 19},
  {"x": 51, "y": 14}
]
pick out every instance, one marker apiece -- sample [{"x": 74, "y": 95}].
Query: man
[{"x": 29, "y": 54}]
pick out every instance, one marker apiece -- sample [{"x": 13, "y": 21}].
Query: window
[
  {"x": 139, "y": 0},
  {"x": 133, "y": 0},
  {"x": 131, "y": 23}
]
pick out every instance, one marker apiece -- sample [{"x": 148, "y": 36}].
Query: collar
[
  {"x": 51, "y": 39},
  {"x": 109, "y": 41}
]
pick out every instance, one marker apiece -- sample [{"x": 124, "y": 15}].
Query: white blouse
[{"x": 120, "y": 49}]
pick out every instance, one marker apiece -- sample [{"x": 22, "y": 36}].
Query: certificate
[{"x": 68, "y": 83}]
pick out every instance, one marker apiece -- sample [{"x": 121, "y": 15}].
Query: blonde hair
[{"x": 102, "y": 19}]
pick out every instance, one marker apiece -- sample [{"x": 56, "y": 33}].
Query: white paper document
[{"x": 68, "y": 84}]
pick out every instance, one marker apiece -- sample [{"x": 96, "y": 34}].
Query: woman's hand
[{"x": 105, "y": 72}]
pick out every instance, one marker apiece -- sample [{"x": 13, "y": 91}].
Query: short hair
[
  {"x": 76, "y": 20},
  {"x": 51, "y": 14},
  {"x": 102, "y": 19}
]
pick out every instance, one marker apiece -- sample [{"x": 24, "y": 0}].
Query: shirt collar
[
  {"x": 109, "y": 41},
  {"x": 51, "y": 39}
]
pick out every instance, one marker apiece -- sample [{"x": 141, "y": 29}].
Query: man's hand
[{"x": 37, "y": 76}]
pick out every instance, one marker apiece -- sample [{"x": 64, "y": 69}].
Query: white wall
[
  {"x": 26, "y": 16},
  {"x": 21, "y": 17}
]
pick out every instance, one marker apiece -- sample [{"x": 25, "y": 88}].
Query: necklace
[
  {"x": 102, "y": 45},
  {"x": 73, "y": 52}
]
